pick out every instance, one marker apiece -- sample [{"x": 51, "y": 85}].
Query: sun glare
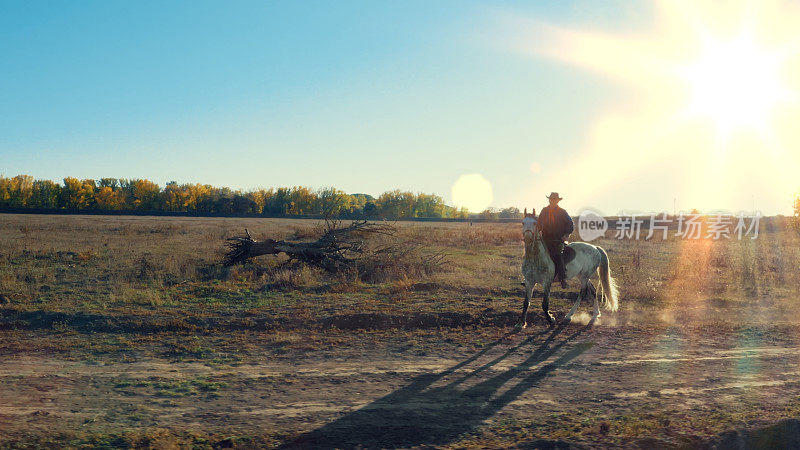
[
  {"x": 710, "y": 86},
  {"x": 735, "y": 84},
  {"x": 473, "y": 192}
]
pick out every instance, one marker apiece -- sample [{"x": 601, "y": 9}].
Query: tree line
[{"x": 119, "y": 194}]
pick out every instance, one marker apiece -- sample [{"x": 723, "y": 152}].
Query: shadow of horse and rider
[{"x": 423, "y": 414}]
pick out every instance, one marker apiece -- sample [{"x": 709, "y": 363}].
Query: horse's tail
[{"x": 610, "y": 291}]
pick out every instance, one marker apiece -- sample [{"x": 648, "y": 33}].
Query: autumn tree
[
  {"x": 488, "y": 213},
  {"x": 258, "y": 197},
  {"x": 108, "y": 199},
  {"x": 241, "y": 204},
  {"x": 396, "y": 204},
  {"x": 370, "y": 209},
  {"x": 331, "y": 202},
  {"x": 428, "y": 205},
  {"x": 112, "y": 183},
  {"x": 302, "y": 201},
  {"x": 22, "y": 191},
  {"x": 174, "y": 197},
  {"x": 278, "y": 202},
  {"x": 5, "y": 191},
  {"x": 142, "y": 194},
  {"x": 510, "y": 213},
  {"x": 797, "y": 206},
  {"x": 45, "y": 194},
  {"x": 16, "y": 192},
  {"x": 358, "y": 203},
  {"x": 77, "y": 194},
  {"x": 196, "y": 195},
  {"x": 457, "y": 213}
]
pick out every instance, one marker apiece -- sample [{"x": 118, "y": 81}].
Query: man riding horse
[
  {"x": 583, "y": 262},
  {"x": 556, "y": 226}
]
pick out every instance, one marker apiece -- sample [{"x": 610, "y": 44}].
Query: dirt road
[{"x": 616, "y": 383}]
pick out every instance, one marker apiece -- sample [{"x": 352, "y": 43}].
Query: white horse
[{"x": 538, "y": 267}]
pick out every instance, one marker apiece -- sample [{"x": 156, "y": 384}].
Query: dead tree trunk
[{"x": 336, "y": 250}]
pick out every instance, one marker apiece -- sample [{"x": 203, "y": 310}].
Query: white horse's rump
[{"x": 538, "y": 267}]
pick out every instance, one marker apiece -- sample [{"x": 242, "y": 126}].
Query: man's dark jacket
[{"x": 555, "y": 222}]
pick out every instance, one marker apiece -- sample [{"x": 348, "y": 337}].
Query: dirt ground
[
  {"x": 628, "y": 380},
  {"x": 126, "y": 332}
]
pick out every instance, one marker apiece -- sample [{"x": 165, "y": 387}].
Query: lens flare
[
  {"x": 472, "y": 191},
  {"x": 714, "y": 96},
  {"x": 735, "y": 84}
]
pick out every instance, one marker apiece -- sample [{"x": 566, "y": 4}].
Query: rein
[{"x": 533, "y": 248}]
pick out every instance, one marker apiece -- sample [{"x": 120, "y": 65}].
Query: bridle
[{"x": 529, "y": 229}]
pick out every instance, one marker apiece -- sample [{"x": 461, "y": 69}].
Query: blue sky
[{"x": 364, "y": 96}]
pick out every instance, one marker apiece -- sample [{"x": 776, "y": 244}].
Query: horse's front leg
[
  {"x": 523, "y": 321},
  {"x": 546, "y": 303}
]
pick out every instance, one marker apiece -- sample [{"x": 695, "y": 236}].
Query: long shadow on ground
[
  {"x": 784, "y": 434},
  {"x": 420, "y": 414}
]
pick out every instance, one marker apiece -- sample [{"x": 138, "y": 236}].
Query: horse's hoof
[
  {"x": 520, "y": 326},
  {"x": 550, "y": 318},
  {"x": 567, "y": 319}
]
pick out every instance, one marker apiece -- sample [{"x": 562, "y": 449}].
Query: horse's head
[{"x": 529, "y": 225}]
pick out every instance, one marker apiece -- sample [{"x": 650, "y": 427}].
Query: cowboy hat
[{"x": 554, "y": 195}]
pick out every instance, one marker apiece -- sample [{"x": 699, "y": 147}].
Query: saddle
[{"x": 569, "y": 254}]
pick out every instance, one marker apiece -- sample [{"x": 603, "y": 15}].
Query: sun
[
  {"x": 735, "y": 84},
  {"x": 719, "y": 58},
  {"x": 473, "y": 192},
  {"x": 709, "y": 90}
]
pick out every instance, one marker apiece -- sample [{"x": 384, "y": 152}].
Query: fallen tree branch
[{"x": 336, "y": 250}]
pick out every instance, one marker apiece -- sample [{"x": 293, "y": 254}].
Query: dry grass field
[{"x": 127, "y": 332}]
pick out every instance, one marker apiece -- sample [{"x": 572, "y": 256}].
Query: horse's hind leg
[
  {"x": 546, "y": 303},
  {"x": 593, "y": 293},
  {"x": 581, "y": 296}
]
